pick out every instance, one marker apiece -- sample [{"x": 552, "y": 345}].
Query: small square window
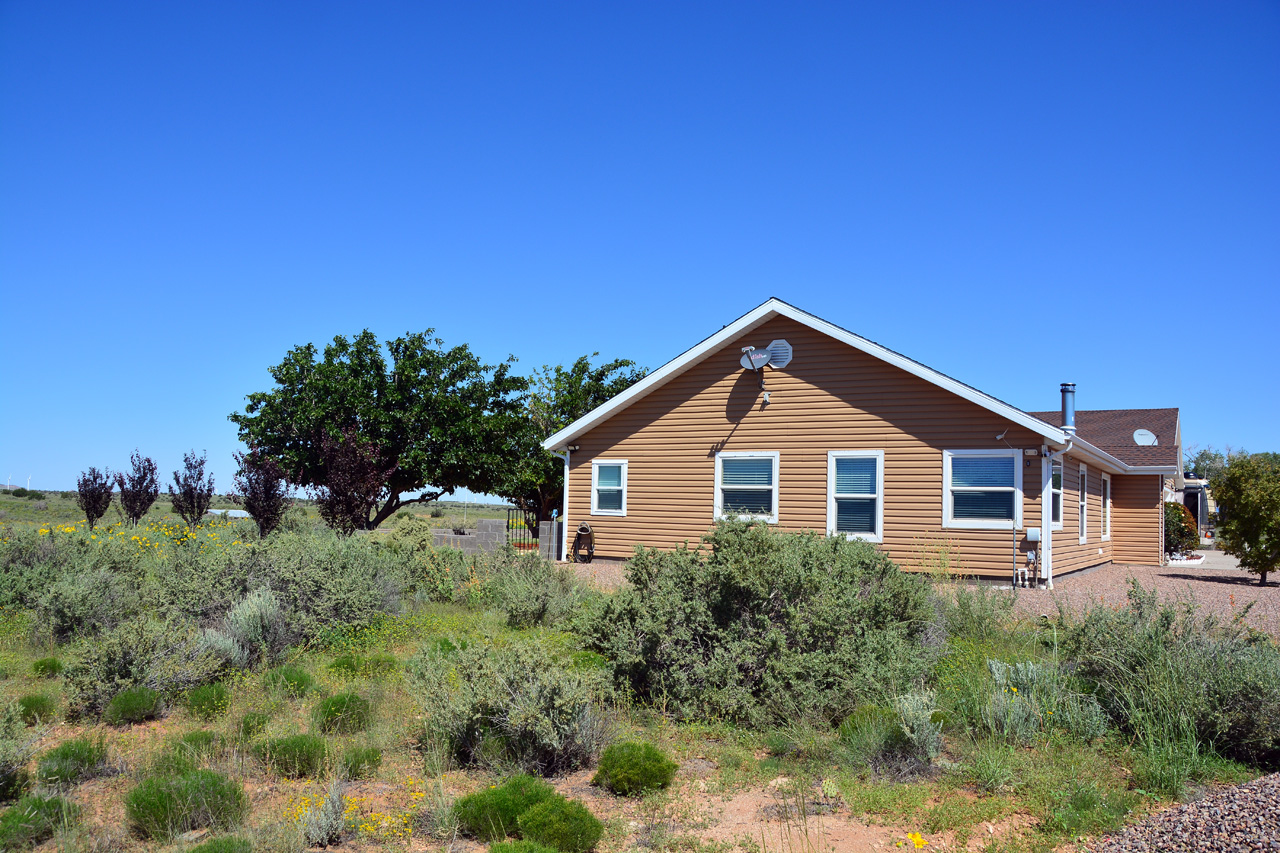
[
  {"x": 747, "y": 485},
  {"x": 609, "y": 487}
]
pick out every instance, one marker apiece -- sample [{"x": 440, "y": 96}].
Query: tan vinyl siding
[
  {"x": 1136, "y": 534},
  {"x": 1068, "y": 554},
  {"x": 830, "y": 397}
]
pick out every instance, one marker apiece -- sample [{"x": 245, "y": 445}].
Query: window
[
  {"x": 982, "y": 489},
  {"x": 609, "y": 487},
  {"x": 855, "y": 482},
  {"x": 1084, "y": 503},
  {"x": 1106, "y": 507},
  {"x": 1055, "y": 497},
  {"x": 747, "y": 485}
]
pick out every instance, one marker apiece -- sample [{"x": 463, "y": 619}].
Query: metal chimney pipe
[{"x": 1069, "y": 407}]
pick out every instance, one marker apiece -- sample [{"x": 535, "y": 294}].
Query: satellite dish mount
[{"x": 755, "y": 359}]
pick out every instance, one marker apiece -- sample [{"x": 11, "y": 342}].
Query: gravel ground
[
  {"x": 1217, "y": 585},
  {"x": 1242, "y": 819}
]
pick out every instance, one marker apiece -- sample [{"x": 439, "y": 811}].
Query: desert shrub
[
  {"x": 295, "y": 756},
  {"x": 32, "y": 820},
  {"x": 975, "y": 611},
  {"x": 47, "y": 668},
  {"x": 257, "y": 624},
  {"x": 921, "y": 724},
  {"x": 497, "y": 704},
  {"x": 71, "y": 762},
  {"x": 1030, "y": 699},
  {"x": 290, "y": 680},
  {"x": 1167, "y": 675},
  {"x": 30, "y": 564},
  {"x": 521, "y": 845},
  {"x": 633, "y": 768},
  {"x": 209, "y": 701},
  {"x": 360, "y": 762},
  {"x": 16, "y": 748},
  {"x": 37, "y": 708},
  {"x": 226, "y": 844},
  {"x": 765, "y": 626},
  {"x": 1181, "y": 533},
  {"x": 872, "y": 736},
  {"x": 534, "y": 591},
  {"x": 565, "y": 825},
  {"x": 322, "y": 824},
  {"x": 437, "y": 512},
  {"x": 163, "y": 807},
  {"x": 492, "y": 814},
  {"x": 345, "y": 714},
  {"x": 348, "y": 665},
  {"x": 133, "y": 705},
  {"x": 86, "y": 604},
  {"x": 252, "y": 724},
  {"x": 167, "y": 657}
]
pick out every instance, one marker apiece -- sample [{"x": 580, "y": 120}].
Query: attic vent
[
  {"x": 1145, "y": 438},
  {"x": 779, "y": 353}
]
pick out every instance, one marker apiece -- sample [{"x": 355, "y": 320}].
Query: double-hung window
[
  {"x": 855, "y": 486},
  {"x": 1055, "y": 496},
  {"x": 747, "y": 485},
  {"x": 1106, "y": 507},
  {"x": 1083, "y": 498},
  {"x": 982, "y": 489},
  {"x": 609, "y": 487}
]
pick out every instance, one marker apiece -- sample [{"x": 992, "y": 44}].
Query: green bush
[
  {"x": 252, "y": 724},
  {"x": 209, "y": 701},
  {"x": 515, "y": 703},
  {"x": 71, "y": 762},
  {"x": 291, "y": 680},
  {"x": 360, "y": 762},
  {"x": 566, "y": 825},
  {"x": 32, "y": 820},
  {"x": 37, "y": 708},
  {"x": 633, "y": 768},
  {"x": 295, "y": 756},
  {"x": 1181, "y": 533},
  {"x": 47, "y": 668},
  {"x": 344, "y": 714},
  {"x": 164, "y": 807},
  {"x": 520, "y": 846},
  {"x": 87, "y": 604},
  {"x": 873, "y": 737},
  {"x": 493, "y": 814},
  {"x": 226, "y": 844},
  {"x": 380, "y": 664},
  {"x": 133, "y": 705},
  {"x": 535, "y": 591},
  {"x": 16, "y": 748},
  {"x": 348, "y": 665},
  {"x": 1031, "y": 699},
  {"x": 185, "y": 754},
  {"x": 764, "y": 626},
  {"x": 256, "y": 630}
]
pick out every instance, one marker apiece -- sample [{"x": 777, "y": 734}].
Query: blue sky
[{"x": 1015, "y": 194}]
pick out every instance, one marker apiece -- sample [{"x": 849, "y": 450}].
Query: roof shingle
[{"x": 1112, "y": 430}]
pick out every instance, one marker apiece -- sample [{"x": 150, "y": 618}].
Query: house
[{"x": 832, "y": 432}]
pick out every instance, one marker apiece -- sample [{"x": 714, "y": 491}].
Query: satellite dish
[
  {"x": 754, "y": 359},
  {"x": 1145, "y": 438},
  {"x": 779, "y": 353}
]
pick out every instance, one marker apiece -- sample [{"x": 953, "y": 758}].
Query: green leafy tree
[
  {"x": 1248, "y": 494},
  {"x": 1205, "y": 463},
  {"x": 441, "y": 418},
  {"x": 533, "y": 481}
]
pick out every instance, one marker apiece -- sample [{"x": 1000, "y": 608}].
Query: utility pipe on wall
[{"x": 564, "y": 516}]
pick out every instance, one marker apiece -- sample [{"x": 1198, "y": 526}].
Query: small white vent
[
  {"x": 779, "y": 353},
  {"x": 1145, "y": 438}
]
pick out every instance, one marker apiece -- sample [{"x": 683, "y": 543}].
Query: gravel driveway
[{"x": 1218, "y": 585}]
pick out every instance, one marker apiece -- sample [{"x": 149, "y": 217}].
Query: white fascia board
[{"x": 776, "y": 307}]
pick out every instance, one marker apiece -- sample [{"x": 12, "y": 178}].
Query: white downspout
[
  {"x": 564, "y": 516},
  {"x": 1046, "y": 512}
]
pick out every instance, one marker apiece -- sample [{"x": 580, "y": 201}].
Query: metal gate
[{"x": 518, "y": 533}]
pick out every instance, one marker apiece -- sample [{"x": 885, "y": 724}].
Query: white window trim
[
  {"x": 1106, "y": 507},
  {"x": 832, "y": 456},
  {"x": 1062, "y": 496},
  {"x": 978, "y": 523},
  {"x": 1082, "y": 501},
  {"x": 595, "y": 480},
  {"x": 772, "y": 518}
]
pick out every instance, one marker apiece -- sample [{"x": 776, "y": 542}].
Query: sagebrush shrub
[
  {"x": 258, "y": 626},
  {"x": 86, "y": 604},
  {"x": 295, "y": 756},
  {"x": 493, "y": 813},
  {"x": 917, "y": 714},
  {"x": 345, "y": 714},
  {"x": 133, "y": 705},
  {"x": 565, "y": 825},
  {"x": 34, "y": 819},
  {"x": 291, "y": 680},
  {"x": 360, "y": 762},
  {"x": 37, "y": 708},
  {"x": 16, "y": 748},
  {"x": 71, "y": 762},
  {"x": 1029, "y": 699},
  {"x": 163, "y": 807},
  {"x": 209, "y": 701},
  {"x": 764, "y": 626},
  {"x": 47, "y": 668},
  {"x": 535, "y": 591},
  {"x": 323, "y": 822},
  {"x": 226, "y": 844},
  {"x": 633, "y": 768}
]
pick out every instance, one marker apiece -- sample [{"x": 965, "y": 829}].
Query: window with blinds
[
  {"x": 1083, "y": 498},
  {"x": 855, "y": 480},
  {"x": 747, "y": 485},
  {"x": 983, "y": 489},
  {"x": 609, "y": 487}
]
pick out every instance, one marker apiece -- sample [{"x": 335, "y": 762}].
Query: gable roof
[{"x": 1112, "y": 430}]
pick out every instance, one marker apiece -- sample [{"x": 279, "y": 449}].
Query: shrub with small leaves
[
  {"x": 520, "y": 846},
  {"x": 32, "y": 820},
  {"x": 162, "y": 808},
  {"x": 346, "y": 713},
  {"x": 16, "y": 748},
  {"x": 566, "y": 825},
  {"x": 47, "y": 668},
  {"x": 291, "y": 680},
  {"x": 252, "y": 724},
  {"x": 37, "y": 708},
  {"x": 322, "y": 824},
  {"x": 360, "y": 762},
  {"x": 226, "y": 844},
  {"x": 71, "y": 762},
  {"x": 347, "y": 665},
  {"x": 296, "y": 756},
  {"x": 209, "y": 701},
  {"x": 493, "y": 814},
  {"x": 633, "y": 768},
  {"x": 133, "y": 705},
  {"x": 872, "y": 736}
]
